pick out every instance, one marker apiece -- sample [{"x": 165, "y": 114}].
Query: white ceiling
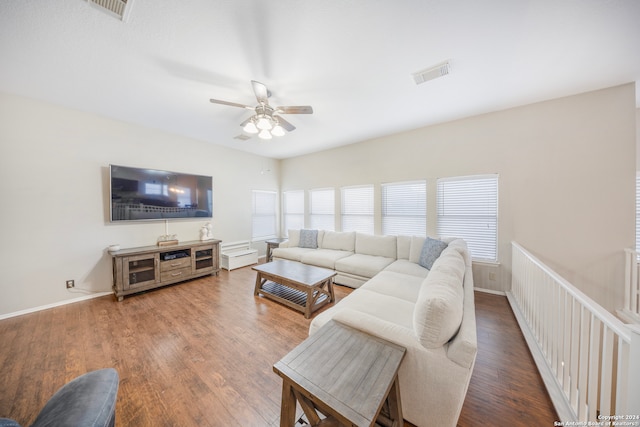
[{"x": 351, "y": 60}]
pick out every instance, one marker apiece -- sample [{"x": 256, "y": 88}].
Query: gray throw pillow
[
  {"x": 431, "y": 250},
  {"x": 308, "y": 239}
]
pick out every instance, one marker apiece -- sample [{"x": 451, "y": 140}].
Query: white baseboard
[
  {"x": 490, "y": 291},
  {"x": 56, "y": 304}
]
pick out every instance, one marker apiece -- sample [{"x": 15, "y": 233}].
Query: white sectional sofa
[
  {"x": 356, "y": 257},
  {"x": 430, "y": 312}
]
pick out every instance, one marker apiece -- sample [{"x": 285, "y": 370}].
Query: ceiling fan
[{"x": 266, "y": 122}]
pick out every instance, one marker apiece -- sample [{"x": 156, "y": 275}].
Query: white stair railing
[
  {"x": 631, "y": 310},
  {"x": 582, "y": 351}
]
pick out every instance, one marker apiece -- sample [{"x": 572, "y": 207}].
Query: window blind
[
  {"x": 293, "y": 207},
  {"x": 468, "y": 208},
  {"x": 357, "y": 209},
  {"x": 263, "y": 215},
  {"x": 322, "y": 209},
  {"x": 404, "y": 208}
]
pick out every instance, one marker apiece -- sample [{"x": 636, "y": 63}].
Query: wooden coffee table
[
  {"x": 300, "y": 286},
  {"x": 346, "y": 375}
]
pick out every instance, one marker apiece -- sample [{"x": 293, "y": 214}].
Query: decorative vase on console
[{"x": 206, "y": 232}]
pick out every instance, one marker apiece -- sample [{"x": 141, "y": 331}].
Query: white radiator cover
[{"x": 237, "y": 254}]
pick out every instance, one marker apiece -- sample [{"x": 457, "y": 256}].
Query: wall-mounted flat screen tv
[{"x": 148, "y": 194}]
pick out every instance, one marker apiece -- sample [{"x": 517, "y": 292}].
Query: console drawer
[
  {"x": 175, "y": 264},
  {"x": 175, "y": 274}
]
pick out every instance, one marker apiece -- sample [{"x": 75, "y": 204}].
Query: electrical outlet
[{"x": 71, "y": 284}]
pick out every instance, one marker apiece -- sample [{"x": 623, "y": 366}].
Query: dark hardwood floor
[{"x": 201, "y": 354}]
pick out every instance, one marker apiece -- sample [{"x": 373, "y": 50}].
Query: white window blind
[
  {"x": 263, "y": 215},
  {"x": 404, "y": 208},
  {"x": 468, "y": 208},
  {"x": 357, "y": 209},
  {"x": 293, "y": 207},
  {"x": 322, "y": 209},
  {"x": 638, "y": 212}
]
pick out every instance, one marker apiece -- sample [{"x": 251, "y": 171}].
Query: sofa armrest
[
  {"x": 464, "y": 345},
  {"x": 284, "y": 244}
]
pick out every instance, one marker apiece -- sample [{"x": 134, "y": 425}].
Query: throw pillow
[
  {"x": 431, "y": 250},
  {"x": 309, "y": 239}
]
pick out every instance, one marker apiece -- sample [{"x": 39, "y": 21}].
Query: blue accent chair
[{"x": 87, "y": 401}]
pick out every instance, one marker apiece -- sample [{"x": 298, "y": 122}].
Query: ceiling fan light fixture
[
  {"x": 250, "y": 127},
  {"x": 277, "y": 130},
  {"x": 264, "y": 134},
  {"x": 264, "y": 123}
]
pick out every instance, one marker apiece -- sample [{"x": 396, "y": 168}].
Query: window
[
  {"x": 468, "y": 208},
  {"x": 293, "y": 207},
  {"x": 264, "y": 215},
  {"x": 404, "y": 208},
  {"x": 357, "y": 209},
  {"x": 322, "y": 209}
]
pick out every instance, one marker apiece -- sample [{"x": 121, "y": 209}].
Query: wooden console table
[
  {"x": 140, "y": 269},
  {"x": 271, "y": 245},
  {"x": 348, "y": 376}
]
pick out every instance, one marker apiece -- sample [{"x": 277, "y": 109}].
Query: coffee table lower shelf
[{"x": 287, "y": 295}]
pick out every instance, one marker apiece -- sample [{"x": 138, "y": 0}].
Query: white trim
[
  {"x": 628, "y": 317},
  {"x": 488, "y": 262},
  {"x": 55, "y": 304},
  {"x": 490, "y": 291}
]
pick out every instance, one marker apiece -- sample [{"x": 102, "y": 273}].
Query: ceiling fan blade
[
  {"x": 285, "y": 124},
  {"x": 298, "y": 109},
  {"x": 261, "y": 91},
  {"x": 246, "y": 121},
  {"x": 232, "y": 104}
]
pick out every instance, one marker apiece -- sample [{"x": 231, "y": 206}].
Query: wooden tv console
[{"x": 140, "y": 269}]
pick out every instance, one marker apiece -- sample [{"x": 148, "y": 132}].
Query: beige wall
[
  {"x": 54, "y": 212},
  {"x": 567, "y": 180}
]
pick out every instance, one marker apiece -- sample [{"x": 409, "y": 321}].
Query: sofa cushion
[
  {"x": 404, "y": 247},
  {"x": 388, "y": 308},
  {"x": 339, "y": 240},
  {"x": 438, "y": 311},
  {"x": 363, "y": 265},
  {"x": 309, "y": 239},
  {"x": 405, "y": 266},
  {"x": 292, "y": 254},
  {"x": 394, "y": 284},
  {"x": 324, "y": 257},
  {"x": 384, "y": 246},
  {"x": 294, "y": 238},
  {"x": 417, "y": 242},
  {"x": 431, "y": 250}
]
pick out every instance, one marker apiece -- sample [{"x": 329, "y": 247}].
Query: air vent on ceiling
[
  {"x": 242, "y": 137},
  {"x": 434, "y": 72},
  {"x": 119, "y": 8}
]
